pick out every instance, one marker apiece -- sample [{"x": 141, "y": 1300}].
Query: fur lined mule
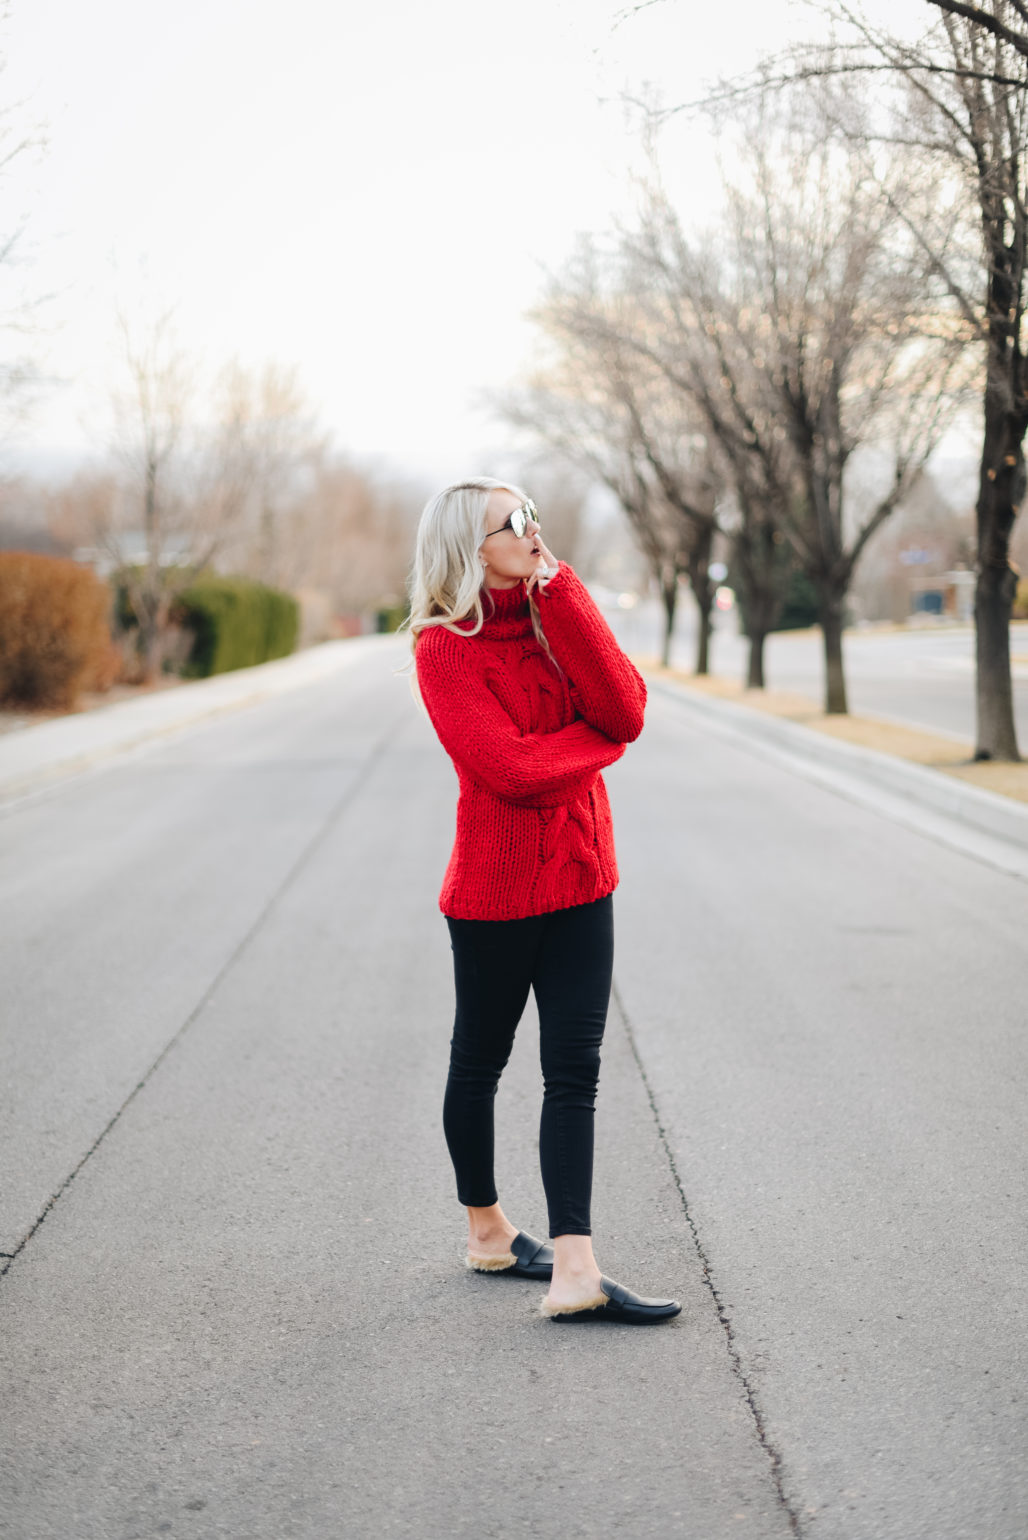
[
  {"x": 615, "y": 1303},
  {"x": 527, "y": 1258}
]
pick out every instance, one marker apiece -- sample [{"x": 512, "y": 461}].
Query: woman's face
[{"x": 508, "y": 558}]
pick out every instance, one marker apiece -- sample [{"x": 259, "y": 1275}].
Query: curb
[
  {"x": 32, "y": 758},
  {"x": 980, "y": 823}
]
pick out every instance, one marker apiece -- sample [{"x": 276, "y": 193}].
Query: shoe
[
  {"x": 527, "y": 1258},
  {"x": 616, "y": 1303}
]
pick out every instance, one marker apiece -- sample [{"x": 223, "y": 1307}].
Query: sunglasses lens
[{"x": 519, "y": 522}]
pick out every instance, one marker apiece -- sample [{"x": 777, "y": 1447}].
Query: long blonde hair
[{"x": 446, "y": 581}]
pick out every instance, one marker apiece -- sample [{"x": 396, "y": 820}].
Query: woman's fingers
[{"x": 544, "y": 560}]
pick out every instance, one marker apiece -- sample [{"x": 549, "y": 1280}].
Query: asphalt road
[
  {"x": 921, "y": 677},
  {"x": 236, "y": 1305}
]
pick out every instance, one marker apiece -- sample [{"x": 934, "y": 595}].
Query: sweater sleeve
[
  {"x": 530, "y": 769},
  {"x": 607, "y": 689}
]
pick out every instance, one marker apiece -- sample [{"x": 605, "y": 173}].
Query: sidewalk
[{"x": 32, "y": 758}]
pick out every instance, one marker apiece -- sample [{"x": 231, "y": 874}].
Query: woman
[{"x": 531, "y": 697}]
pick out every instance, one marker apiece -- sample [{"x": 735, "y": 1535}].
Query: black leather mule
[
  {"x": 619, "y": 1305},
  {"x": 527, "y": 1258}
]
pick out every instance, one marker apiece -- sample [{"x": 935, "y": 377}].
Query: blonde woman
[{"x": 531, "y": 697}]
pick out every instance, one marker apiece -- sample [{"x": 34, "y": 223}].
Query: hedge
[
  {"x": 390, "y": 617},
  {"x": 235, "y": 623},
  {"x": 55, "y": 635}
]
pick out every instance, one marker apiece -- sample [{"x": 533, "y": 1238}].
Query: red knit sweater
[{"x": 528, "y": 742}]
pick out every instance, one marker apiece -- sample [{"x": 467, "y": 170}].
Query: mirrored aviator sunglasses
[
  {"x": 522, "y": 517},
  {"x": 518, "y": 521}
]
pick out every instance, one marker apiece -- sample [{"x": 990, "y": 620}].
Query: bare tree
[
  {"x": 648, "y": 313},
  {"x": 606, "y": 409},
  {"x": 20, "y": 379},
  {"x": 262, "y": 462},
  {"x": 807, "y": 331},
  {"x": 673, "y": 545},
  {"x": 955, "y": 100},
  {"x": 76, "y": 510},
  {"x": 966, "y": 101},
  {"x": 354, "y": 533},
  {"x": 149, "y": 531},
  {"x": 202, "y": 482}
]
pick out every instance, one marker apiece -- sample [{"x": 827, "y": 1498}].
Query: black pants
[{"x": 567, "y": 959}]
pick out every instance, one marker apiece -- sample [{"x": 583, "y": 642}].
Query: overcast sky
[{"x": 370, "y": 192}]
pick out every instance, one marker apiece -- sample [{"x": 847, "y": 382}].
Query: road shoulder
[
  {"x": 948, "y": 753},
  {"x": 918, "y": 793}
]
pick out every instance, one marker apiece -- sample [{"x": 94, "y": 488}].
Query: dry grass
[{"x": 949, "y": 755}]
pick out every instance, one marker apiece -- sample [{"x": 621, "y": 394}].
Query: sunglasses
[{"x": 519, "y": 520}]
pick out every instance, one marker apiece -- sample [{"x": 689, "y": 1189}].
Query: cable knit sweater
[{"x": 528, "y": 742}]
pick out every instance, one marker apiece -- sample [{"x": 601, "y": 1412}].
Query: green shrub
[
  {"x": 391, "y": 617},
  {"x": 235, "y": 623},
  {"x": 55, "y": 636}
]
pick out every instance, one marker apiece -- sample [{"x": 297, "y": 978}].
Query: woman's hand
[{"x": 546, "y": 565}]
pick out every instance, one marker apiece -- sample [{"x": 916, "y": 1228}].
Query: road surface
[{"x": 234, "y": 1302}]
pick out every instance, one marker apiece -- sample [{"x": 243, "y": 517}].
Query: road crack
[{"x": 734, "y": 1355}]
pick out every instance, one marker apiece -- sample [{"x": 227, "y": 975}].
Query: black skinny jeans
[{"x": 567, "y": 959}]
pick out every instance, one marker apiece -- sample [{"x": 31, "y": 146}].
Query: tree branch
[{"x": 983, "y": 19}]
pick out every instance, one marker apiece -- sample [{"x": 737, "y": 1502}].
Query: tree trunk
[
  {"x": 152, "y": 606},
  {"x": 994, "y": 699},
  {"x": 698, "y": 568},
  {"x": 1001, "y": 486},
  {"x": 147, "y": 608},
  {"x": 669, "y": 596},
  {"x": 832, "y": 607},
  {"x": 760, "y": 576},
  {"x": 266, "y": 543},
  {"x": 703, "y": 640},
  {"x": 755, "y": 671},
  {"x": 762, "y": 612},
  {"x": 148, "y": 645},
  {"x": 1000, "y": 492}
]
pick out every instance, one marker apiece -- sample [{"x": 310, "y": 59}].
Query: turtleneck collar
[{"x": 506, "y": 613}]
